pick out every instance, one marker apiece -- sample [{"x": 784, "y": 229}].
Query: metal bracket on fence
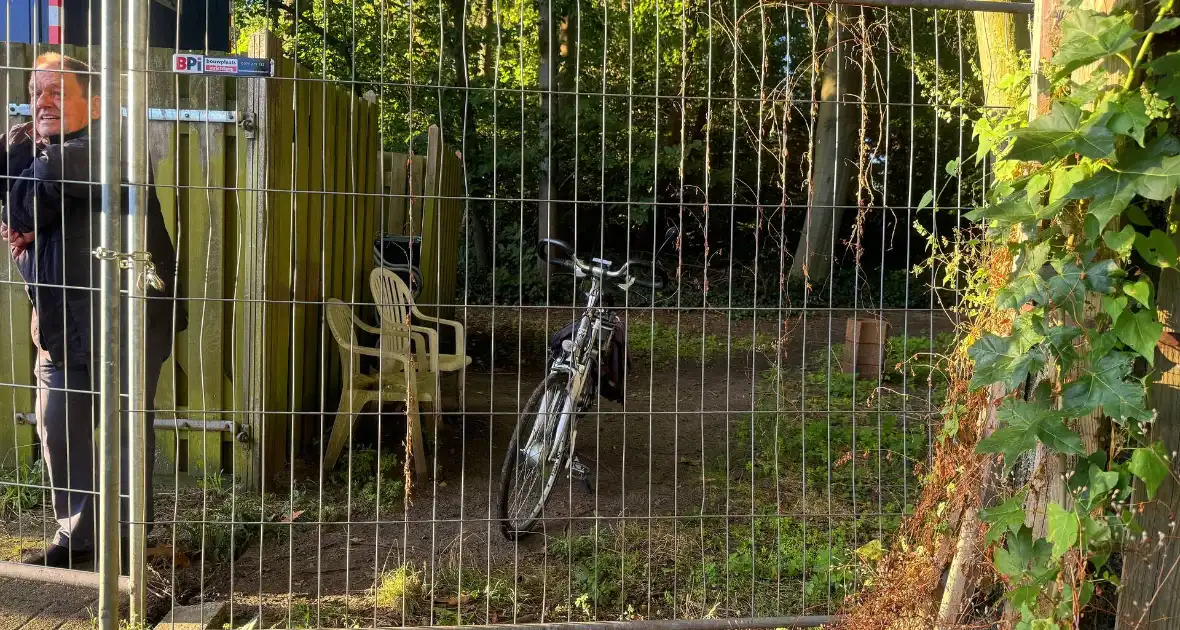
[
  {"x": 127, "y": 261},
  {"x": 26, "y": 418},
  {"x": 248, "y": 125},
  {"x": 156, "y": 113},
  {"x": 219, "y": 426}
]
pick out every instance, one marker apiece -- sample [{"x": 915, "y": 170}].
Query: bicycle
[{"x": 549, "y": 419}]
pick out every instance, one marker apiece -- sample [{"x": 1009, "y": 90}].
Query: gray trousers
[{"x": 67, "y": 414}]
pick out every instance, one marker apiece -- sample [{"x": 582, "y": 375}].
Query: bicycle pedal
[{"x": 578, "y": 469}]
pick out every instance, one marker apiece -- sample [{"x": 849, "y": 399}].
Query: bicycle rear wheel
[{"x": 528, "y": 475}]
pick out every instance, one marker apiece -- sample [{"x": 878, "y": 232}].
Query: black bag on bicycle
[{"x": 615, "y": 363}]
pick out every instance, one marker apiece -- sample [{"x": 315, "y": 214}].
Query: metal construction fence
[{"x": 376, "y": 415}]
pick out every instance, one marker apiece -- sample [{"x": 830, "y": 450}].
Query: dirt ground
[{"x": 654, "y": 459}]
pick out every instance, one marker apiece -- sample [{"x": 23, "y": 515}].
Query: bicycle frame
[{"x": 595, "y": 330}]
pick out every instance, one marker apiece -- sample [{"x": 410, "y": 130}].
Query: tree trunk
[
  {"x": 1000, "y": 36},
  {"x": 468, "y": 139},
  {"x": 833, "y": 155}
]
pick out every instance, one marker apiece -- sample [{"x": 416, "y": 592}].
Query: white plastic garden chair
[
  {"x": 388, "y": 384},
  {"x": 396, "y": 309}
]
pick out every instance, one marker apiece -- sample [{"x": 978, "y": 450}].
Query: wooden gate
[{"x": 271, "y": 216}]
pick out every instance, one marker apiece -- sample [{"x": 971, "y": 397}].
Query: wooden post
[
  {"x": 1150, "y": 597},
  {"x": 250, "y": 312}
]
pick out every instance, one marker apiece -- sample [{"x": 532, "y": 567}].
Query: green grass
[
  {"x": 664, "y": 344},
  {"x": 19, "y": 488}
]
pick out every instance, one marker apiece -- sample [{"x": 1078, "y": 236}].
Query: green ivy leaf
[
  {"x": 1103, "y": 209},
  {"x": 927, "y": 199},
  {"x": 1067, "y": 289},
  {"x": 1167, "y": 69},
  {"x": 1140, "y": 291},
  {"x": 1061, "y": 133},
  {"x": 1097, "y": 531},
  {"x": 1059, "y": 438},
  {"x": 1024, "y": 596},
  {"x": 952, "y": 167},
  {"x": 1022, "y": 556},
  {"x": 1101, "y": 482},
  {"x": 1140, "y": 331},
  {"x": 1004, "y": 360},
  {"x": 1150, "y": 465},
  {"x": 1007, "y": 563},
  {"x": 1061, "y": 529},
  {"x": 1103, "y": 384},
  {"x": 1153, "y": 172},
  {"x": 1114, "y": 306},
  {"x": 1012, "y": 211},
  {"x": 1023, "y": 425},
  {"x": 1157, "y": 249},
  {"x": 1120, "y": 242},
  {"x": 1064, "y": 180},
  {"x": 1127, "y": 115},
  {"x": 1008, "y": 516},
  {"x": 1087, "y": 36},
  {"x": 1136, "y": 216},
  {"x": 1164, "y": 25},
  {"x": 1101, "y": 276}
]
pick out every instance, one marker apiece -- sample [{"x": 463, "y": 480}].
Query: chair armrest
[
  {"x": 423, "y": 340},
  {"x": 460, "y": 345}
]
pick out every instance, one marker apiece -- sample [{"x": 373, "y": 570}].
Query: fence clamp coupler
[{"x": 128, "y": 261}]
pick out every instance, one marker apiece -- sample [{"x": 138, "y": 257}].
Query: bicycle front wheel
[{"x": 534, "y": 459}]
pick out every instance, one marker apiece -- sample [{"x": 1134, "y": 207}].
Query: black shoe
[{"x": 60, "y": 557}]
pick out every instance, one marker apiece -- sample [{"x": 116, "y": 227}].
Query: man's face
[{"x": 60, "y": 106}]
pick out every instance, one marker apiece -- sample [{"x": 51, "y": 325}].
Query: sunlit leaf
[
  {"x": 1061, "y": 529},
  {"x": 1150, "y": 465},
  {"x": 1006, "y": 360},
  {"x": 1060, "y": 133},
  {"x": 1140, "y": 331},
  {"x": 1023, "y": 425},
  {"x": 1087, "y": 36},
  {"x": 927, "y": 199},
  {"x": 1164, "y": 25},
  {"x": 1140, "y": 291},
  {"x": 1121, "y": 242},
  {"x": 1153, "y": 172},
  {"x": 1114, "y": 306},
  {"x": 1157, "y": 249},
  {"x": 1103, "y": 384},
  {"x": 1127, "y": 116}
]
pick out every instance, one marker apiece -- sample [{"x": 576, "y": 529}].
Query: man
[{"x": 51, "y": 222}]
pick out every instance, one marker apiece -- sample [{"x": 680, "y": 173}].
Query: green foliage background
[{"x": 697, "y": 114}]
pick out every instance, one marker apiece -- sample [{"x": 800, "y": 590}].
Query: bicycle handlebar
[{"x": 582, "y": 269}]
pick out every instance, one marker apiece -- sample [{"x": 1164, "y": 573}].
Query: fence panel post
[{"x": 1150, "y": 597}]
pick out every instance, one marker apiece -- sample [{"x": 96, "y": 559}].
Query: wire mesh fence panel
[{"x": 513, "y": 312}]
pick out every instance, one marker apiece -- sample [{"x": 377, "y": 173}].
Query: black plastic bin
[{"x": 400, "y": 254}]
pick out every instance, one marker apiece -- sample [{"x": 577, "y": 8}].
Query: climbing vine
[{"x": 1083, "y": 212}]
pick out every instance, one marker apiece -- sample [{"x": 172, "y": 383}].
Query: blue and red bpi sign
[{"x": 184, "y": 63}]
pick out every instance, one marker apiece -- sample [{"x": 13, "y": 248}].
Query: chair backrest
[
  {"x": 340, "y": 321},
  {"x": 395, "y": 302}
]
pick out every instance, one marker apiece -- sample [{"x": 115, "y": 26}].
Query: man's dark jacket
[{"x": 53, "y": 191}]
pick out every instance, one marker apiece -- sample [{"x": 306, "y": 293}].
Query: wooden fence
[
  {"x": 424, "y": 197},
  {"x": 270, "y": 218}
]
